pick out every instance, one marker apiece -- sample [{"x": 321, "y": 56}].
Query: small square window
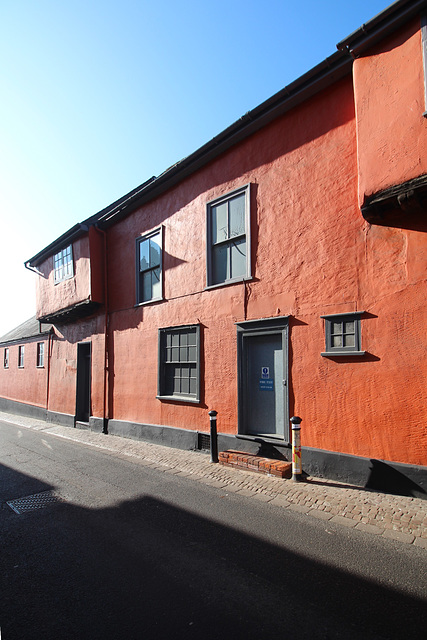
[
  {"x": 149, "y": 286},
  {"x": 343, "y": 334},
  {"x": 40, "y": 354},
  {"x": 228, "y": 238},
  {"x": 63, "y": 264},
  {"x": 179, "y": 363},
  {"x": 21, "y": 351},
  {"x": 6, "y": 358}
]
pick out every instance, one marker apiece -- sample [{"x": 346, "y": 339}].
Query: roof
[
  {"x": 318, "y": 78},
  {"x": 31, "y": 328},
  {"x": 381, "y": 25}
]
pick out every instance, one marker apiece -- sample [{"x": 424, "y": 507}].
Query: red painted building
[{"x": 279, "y": 270}]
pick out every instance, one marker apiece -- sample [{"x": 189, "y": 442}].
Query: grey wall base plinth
[
  {"x": 377, "y": 475},
  {"x": 96, "y": 424},
  {"x": 38, "y": 413},
  {"x": 22, "y": 409},
  {"x": 63, "y": 419},
  {"x": 159, "y": 434},
  {"x": 370, "y": 473}
]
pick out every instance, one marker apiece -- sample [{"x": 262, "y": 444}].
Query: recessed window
[
  {"x": 63, "y": 264},
  {"x": 228, "y": 238},
  {"x": 343, "y": 334},
  {"x": 149, "y": 267},
  {"x": 179, "y": 363},
  {"x": 6, "y": 358},
  {"x": 21, "y": 351},
  {"x": 40, "y": 354}
]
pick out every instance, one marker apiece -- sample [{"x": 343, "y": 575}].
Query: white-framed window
[
  {"x": 149, "y": 285},
  {"x": 6, "y": 358},
  {"x": 343, "y": 335},
  {"x": 63, "y": 264},
  {"x": 21, "y": 352},
  {"x": 228, "y": 238},
  {"x": 40, "y": 354},
  {"x": 179, "y": 363}
]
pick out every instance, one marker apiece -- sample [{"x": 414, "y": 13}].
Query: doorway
[
  {"x": 263, "y": 378},
  {"x": 83, "y": 382}
]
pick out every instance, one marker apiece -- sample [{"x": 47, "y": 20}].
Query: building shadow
[{"x": 145, "y": 568}]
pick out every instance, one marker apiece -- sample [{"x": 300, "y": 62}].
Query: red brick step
[{"x": 240, "y": 460}]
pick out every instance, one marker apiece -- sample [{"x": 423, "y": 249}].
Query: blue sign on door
[{"x": 266, "y": 385}]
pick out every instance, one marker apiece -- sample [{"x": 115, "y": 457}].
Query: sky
[{"x": 97, "y": 96}]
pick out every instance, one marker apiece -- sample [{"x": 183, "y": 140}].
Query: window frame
[
  {"x": 138, "y": 242},
  {"x": 162, "y": 364},
  {"x": 63, "y": 270},
  {"x": 6, "y": 358},
  {"x": 246, "y": 190},
  {"x": 40, "y": 355},
  {"x": 21, "y": 356},
  {"x": 353, "y": 316}
]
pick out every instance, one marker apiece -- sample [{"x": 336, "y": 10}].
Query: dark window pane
[
  {"x": 237, "y": 216},
  {"x": 238, "y": 259},
  {"x": 155, "y": 251},
  {"x": 349, "y": 341},
  {"x": 337, "y": 341},
  {"x": 220, "y": 263},
  {"x": 336, "y": 328},
  {"x": 349, "y": 327},
  {"x": 219, "y": 223}
]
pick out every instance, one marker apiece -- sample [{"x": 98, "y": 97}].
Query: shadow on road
[{"x": 146, "y": 569}]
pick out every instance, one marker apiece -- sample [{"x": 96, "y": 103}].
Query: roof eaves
[
  {"x": 319, "y": 77},
  {"x": 380, "y": 26},
  {"x": 61, "y": 242}
]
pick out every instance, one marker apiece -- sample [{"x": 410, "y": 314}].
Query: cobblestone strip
[{"x": 397, "y": 517}]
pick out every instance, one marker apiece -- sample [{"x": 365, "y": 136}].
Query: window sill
[
  {"x": 179, "y": 399},
  {"x": 146, "y": 302},
  {"x": 227, "y": 283},
  {"x": 63, "y": 279},
  {"x": 340, "y": 354}
]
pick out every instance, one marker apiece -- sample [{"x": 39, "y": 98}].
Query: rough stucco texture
[{"x": 389, "y": 98}]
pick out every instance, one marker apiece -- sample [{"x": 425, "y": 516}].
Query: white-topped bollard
[{"x": 296, "y": 449}]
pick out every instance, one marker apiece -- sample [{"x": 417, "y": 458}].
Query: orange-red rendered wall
[
  {"x": 389, "y": 98},
  {"x": 27, "y": 384},
  {"x": 312, "y": 254}
]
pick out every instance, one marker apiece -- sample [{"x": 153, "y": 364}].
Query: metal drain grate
[
  {"x": 36, "y": 501},
  {"x": 204, "y": 442}
]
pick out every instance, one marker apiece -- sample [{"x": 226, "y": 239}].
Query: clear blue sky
[{"x": 97, "y": 96}]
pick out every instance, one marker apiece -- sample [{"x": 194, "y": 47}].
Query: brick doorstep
[{"x": 267, "y": 466}]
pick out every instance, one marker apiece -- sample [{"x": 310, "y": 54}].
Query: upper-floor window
[
  {"x": 149, "y": 267},
  {"x": 343, "y": 334},
  {"x": 40, "y": 354},
  {"x": 63, "y": 264},
  {"x": 6, "y": 358},
  {"x": 228, "y": 238},
  {"x": 21, "y": 351}
]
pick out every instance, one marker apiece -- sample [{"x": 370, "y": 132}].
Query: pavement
[{"x": 399, "y": 518}]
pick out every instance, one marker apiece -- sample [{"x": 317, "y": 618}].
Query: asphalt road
[{"x": 136, "y": 552}]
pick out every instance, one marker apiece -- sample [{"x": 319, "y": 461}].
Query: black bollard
[{"x": 214, "y": 436}]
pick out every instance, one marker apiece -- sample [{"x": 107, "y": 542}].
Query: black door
[{"x": 83, "y": 382}]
